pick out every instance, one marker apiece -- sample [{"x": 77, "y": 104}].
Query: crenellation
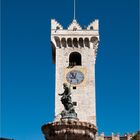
[
  {"x": 55, "y": 25},
  {"x": 114, "y": 137},
  {"x": 94, "y": 25},
  {"x": 74, "y": 26}
]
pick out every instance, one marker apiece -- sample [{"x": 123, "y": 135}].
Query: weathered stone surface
[{"x": 69, "y": 130}]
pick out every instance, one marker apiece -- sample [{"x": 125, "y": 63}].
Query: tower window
[{"x": 75, "y": 59}]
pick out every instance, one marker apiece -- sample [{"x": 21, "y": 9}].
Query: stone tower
[{"x": 74, "y": 52}]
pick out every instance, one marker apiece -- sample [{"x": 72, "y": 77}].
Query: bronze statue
[{"x": 66, "y": 100}]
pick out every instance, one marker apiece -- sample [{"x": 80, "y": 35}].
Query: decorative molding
[{"x": 75, "y": 129}]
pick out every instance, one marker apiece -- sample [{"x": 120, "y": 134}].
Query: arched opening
[
  {"x": 94, "y": 40},
  {"x": 75, "y": 42},
  {"x": 75, "y": 59},
  {"x": 86, "y": 40},
  {"x": 69, "y": 42},
  {"x": 53, "y": 52},
  {"x": 57, "y": 40},
  {"x": 63, "y": 42},
  {"x": 81, "y": 42}
]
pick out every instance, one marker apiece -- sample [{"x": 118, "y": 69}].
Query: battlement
[
  {"x": 55, "y": 25},
  {"x": 74, "y": 36},
  {"x": 114, "y": 137},
  {"x": 75, "y": 26}
]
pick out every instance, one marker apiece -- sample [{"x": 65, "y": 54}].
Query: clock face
[{"x": 75, "y": 77}]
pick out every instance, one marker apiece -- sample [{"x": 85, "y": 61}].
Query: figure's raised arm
[{"x": 60, "y": 94}]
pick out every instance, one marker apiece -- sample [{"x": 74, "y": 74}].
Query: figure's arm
[
  {"x": 60, "y": 94},
  {"x": 69, "y": 93}
]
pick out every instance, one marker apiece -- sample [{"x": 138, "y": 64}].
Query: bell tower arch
[{"x": 75, "y": 59}]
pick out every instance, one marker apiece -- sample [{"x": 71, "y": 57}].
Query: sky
[{"x": 28, "y": 74}]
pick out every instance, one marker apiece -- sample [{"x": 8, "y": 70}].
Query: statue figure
[{"x": 66, "y": 100}]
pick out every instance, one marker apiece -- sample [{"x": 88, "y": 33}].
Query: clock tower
[{"x": 74, "y": 53}]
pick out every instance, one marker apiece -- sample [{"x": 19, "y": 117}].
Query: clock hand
[
  {"x": 72, "y": 76},
  {"x": 75, "y": 75}
]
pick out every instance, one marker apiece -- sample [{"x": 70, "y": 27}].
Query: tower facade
[{"x": 74, "y": 53}]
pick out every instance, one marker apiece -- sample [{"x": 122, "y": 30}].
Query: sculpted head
[{"x": 65, "y": 85}]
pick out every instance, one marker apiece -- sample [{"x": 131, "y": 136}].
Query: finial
[{"x": 74, "y": 8}]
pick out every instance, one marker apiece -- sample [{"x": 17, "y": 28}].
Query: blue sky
[{"x": 28, "y": 75}]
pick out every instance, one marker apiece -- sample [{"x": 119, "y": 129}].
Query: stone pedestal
[{"x": 69, "y": 130}]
